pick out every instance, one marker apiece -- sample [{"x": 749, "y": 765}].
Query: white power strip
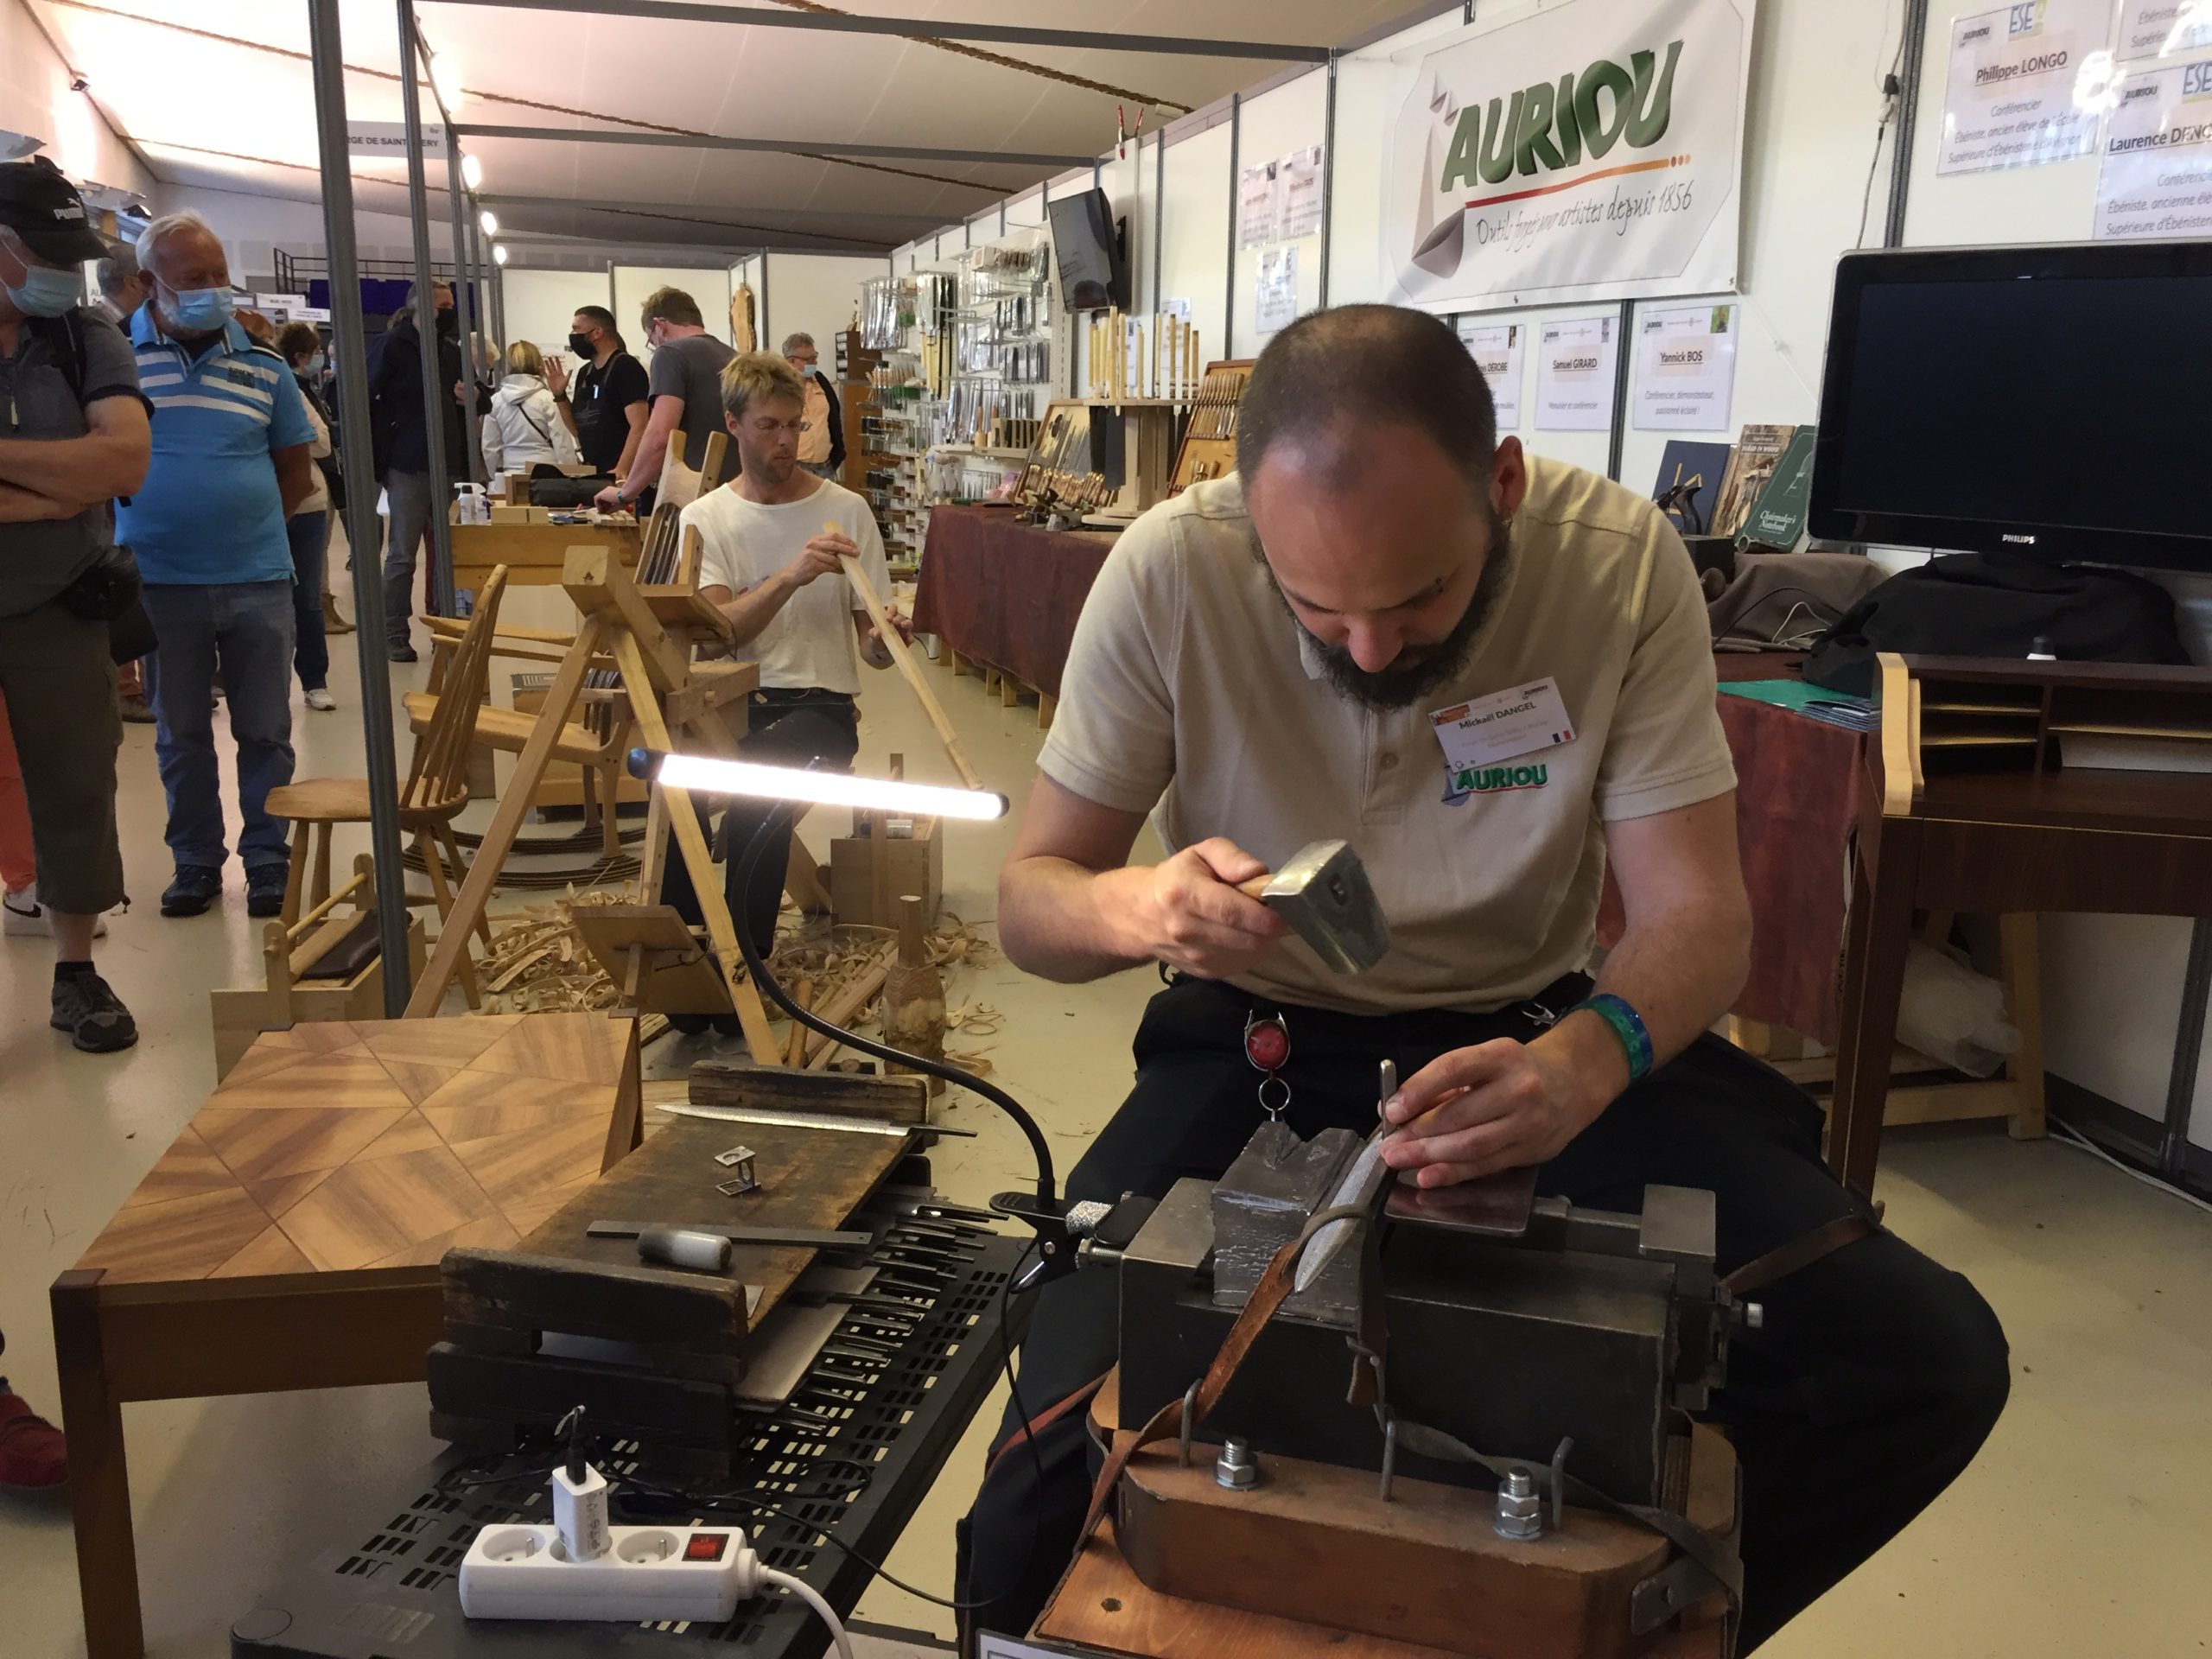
[{"x": 647, "y": 1572}]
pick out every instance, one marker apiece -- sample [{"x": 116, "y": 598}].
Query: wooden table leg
[
  {"x": 1873, "y": 969},
  {"x": 99, "y": 1482}
]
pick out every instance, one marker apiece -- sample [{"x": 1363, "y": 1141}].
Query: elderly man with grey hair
[
  {"x": 230, "y": 462},
  {"x": 822, "y": 445}
]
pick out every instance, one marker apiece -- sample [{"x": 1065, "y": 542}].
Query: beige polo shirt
[{"x": 1192, "y": 693}]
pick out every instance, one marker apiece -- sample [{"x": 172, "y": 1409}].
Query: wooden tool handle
[
  {"x": 1256, "y": 887},
  {"x": 896, "y": 645}
]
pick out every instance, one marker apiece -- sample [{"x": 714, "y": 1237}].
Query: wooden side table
[
  {"x": 290, "y": 1237},
  {"x": 1966, "y": 805}
]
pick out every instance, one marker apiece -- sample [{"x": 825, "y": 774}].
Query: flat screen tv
[
  {"x": 1093, "y": 259},
  {"x": 2055, "y": 401}
]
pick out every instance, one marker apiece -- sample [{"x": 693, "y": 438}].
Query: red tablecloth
[
  {"x": 1006, "y": 593},
  {"x": 1794, "y": 782}
]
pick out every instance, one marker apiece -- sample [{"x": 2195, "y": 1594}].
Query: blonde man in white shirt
[
  {"x": 1492, "y": 673},
  {"x": 772, "y": 566}
]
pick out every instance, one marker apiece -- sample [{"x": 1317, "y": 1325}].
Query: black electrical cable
[{"x": 1047, "y": 1192}]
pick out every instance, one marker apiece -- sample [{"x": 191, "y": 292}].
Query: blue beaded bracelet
[{"x": 1627, "y": 1025}]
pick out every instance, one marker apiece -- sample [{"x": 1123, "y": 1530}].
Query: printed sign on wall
[
  {"x": 2028, "y": 83},
  {"x": 2156, "y": 180},
  {"x": 1685, "y": 369},
  {"x": 1497, "y": 349},
  {"x": 1592, "y": 149},
  {"x": 1578, "y": 363},
  {"x": 2162, "y": 28}
]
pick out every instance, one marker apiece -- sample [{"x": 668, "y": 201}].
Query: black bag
[
  {"x": 109, "y": 587},
  {"x": 564, "y": 492},
  {"x": 1977, "y": 605}
]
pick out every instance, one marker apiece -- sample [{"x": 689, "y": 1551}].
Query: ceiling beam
[
  {"x": 798, "y": 218},
  {"x": 776, "y": 146},
  {"x": 686, "y": 11}
]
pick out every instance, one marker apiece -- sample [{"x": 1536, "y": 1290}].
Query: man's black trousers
[
  {"x": 788, "y": 728},
  {"x": 1873, "y": 1380}
]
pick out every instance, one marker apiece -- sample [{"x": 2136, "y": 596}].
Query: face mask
[
  {"x": 46, "y": 293},
  {"x": 199, "y": 310},
  {"x": 448, "y": 323},
  {"x": 581, "y": 345},
  {"x": 314, "y": 366},
  {"x": 805, "y": 370}
]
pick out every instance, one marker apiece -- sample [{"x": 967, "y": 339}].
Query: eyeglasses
[{"x": 768, "y": 429}]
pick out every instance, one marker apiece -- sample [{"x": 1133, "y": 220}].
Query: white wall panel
[
  {"x": 813, "y": 294},
  {"x": 709, "y": 286},
  {"x": 540, "y": 305},
  {"x": 1270, "y": 127},
  {"x": 1194, "y": 246}
]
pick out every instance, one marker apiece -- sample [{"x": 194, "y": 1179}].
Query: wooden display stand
[
  {"x": 1068, "y": 469},
  {"x": 294, "y": 989},
  {"x": 1209, "y": 448},
  {"x": 872, "y": 868}
]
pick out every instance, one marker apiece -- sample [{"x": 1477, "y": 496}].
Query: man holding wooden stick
[{"x": 774, "y": 540}]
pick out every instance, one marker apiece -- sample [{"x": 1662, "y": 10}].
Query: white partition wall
[
  {"x": 540, "y": 305},
  {"x": 812, "y": 294},
  {"x": 1194, "y": 241},
  {"x": 1269, "y": 127}
]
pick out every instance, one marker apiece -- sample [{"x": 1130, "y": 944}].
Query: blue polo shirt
[{"x": 210, "y": 510}]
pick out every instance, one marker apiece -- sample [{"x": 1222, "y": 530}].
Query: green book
[{"x": 1777, "y": 519}]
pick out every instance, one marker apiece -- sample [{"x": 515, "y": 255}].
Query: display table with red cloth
[
  {"x": 1007, "y": 594},
  {"x": 1795, "y": 777}
]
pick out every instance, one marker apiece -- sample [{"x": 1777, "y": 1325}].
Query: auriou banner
[{"x": 1587, "y": 149}]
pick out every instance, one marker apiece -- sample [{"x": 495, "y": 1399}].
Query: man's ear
[{"x": 1509, "y": 479}]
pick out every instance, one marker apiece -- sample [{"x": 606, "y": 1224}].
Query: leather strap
[
  {"x": 1045, "y": 1418},
  {"x": 1799, "y": 1252}
]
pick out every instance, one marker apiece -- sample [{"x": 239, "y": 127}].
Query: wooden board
[
  {"x": 344, "y": 1145},
  {"x": 533, "y": 553},
  {"x": 1102, "y": 1603},
  {"x": 678, "y": 976},
  {"x": 808, "y": 1178},
  {"x": 780, "y": 1089}
]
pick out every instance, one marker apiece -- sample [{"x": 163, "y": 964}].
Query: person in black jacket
[{"x": 402, "y": 451}]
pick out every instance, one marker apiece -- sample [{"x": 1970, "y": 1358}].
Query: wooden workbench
[{"x": 533, "y": 548}]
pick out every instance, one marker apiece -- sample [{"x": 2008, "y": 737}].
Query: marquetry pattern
[{"x": 334, "y": 1147}]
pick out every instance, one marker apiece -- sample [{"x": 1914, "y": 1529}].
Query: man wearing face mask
[
  {"x": 400, "y": 442},
  {"x": 1491, "y": 674},
  {"x": 75, "y": 436},
  {"x": 232, "y": 460},
  {"x": 611, "y": 401}
]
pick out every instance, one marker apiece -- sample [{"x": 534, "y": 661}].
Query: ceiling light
[
  {"x": 472, "y": 170},
  {"x": 445, "y": 79},
  {"x": 498, "y": 253},
  {"x": 490, "y": 221},
  {"x": 713, "y": 776}
]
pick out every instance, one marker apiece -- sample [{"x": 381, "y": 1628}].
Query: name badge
[{"x": 1506, "y": 723}]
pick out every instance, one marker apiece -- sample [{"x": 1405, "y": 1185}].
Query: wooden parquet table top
[{"x": 336, "y": 1146}]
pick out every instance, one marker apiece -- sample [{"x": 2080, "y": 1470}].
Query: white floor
[{"x": 2084, "y": 1528}]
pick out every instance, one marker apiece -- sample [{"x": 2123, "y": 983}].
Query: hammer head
[{"x": 1324, "y": 893}]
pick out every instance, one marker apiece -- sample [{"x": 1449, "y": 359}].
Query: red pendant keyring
[{"x": 1267, "y": 1045}]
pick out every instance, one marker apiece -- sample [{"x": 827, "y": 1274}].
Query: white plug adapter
[{"x": 580, "y": 1513}]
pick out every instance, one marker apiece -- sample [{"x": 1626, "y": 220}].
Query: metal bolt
[
  {"x": 1520, "y": 1511},
  {"x": 1236, "y": 1468}
]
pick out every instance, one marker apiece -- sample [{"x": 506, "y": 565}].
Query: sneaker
[
  {"x": 138, "y": 711},
  {"x": 264, "y": 890},
  {"x": 32, "y": 1451},
  {"x": 321, "y": 699},
  {"x": 196, "y": 887},
  {"x": 25, "y": 918},
  {"x": 93, "y": 1016},
  {"x": 403, "y": 654}
]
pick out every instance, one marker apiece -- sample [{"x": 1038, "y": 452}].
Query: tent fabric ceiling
[{"x": 221, "y": 98}]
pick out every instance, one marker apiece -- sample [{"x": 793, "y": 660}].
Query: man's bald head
[{"x": 1358, "y": 368}]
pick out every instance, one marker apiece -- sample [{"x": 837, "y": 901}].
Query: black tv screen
[
  {"x": 1094, "y": 264},
  {"x": 2052, "y": 401}
]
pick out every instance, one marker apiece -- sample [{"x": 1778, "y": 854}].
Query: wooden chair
[{"x": 434, "y": 791}]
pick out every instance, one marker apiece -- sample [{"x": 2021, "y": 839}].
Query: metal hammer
[{"x": 1324, "y": 893}]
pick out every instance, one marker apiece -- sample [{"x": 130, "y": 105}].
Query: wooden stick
[
  {"x": 895, "y": 643},
  {"x": 797, "y": 1052},
  {"x": 844, "y": 1008}
]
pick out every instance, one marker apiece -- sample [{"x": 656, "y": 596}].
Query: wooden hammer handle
[
  {"x": 1256, "y": 887},
  {"x": 895, "y": 643}
]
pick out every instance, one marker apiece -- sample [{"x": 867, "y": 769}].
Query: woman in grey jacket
[{"x": 524, "y": 427}]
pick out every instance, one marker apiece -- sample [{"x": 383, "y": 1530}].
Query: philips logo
[{"x": 2024, "y": 541}]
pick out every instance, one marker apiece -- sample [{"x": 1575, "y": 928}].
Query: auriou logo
[
  {"x": 1590, "y": 143},
  {"x": 1463, "y": 784}
]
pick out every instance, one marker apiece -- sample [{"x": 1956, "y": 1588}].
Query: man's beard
[{"x": 1418, "y": 670}]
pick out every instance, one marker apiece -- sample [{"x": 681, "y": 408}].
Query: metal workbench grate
[{"x": 850, "y": 1454}]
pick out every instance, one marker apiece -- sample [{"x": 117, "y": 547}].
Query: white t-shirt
[{"x": 811, "y": 641}]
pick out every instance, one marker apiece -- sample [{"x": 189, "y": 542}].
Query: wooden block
[
  {"x": 622, "y": 1301},
  {"x": 870, "y": 873},
  {"x": 780, "y": 1089}
]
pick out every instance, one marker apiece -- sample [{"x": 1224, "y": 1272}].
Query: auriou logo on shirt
[{"x": 1463, "y": 785}]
